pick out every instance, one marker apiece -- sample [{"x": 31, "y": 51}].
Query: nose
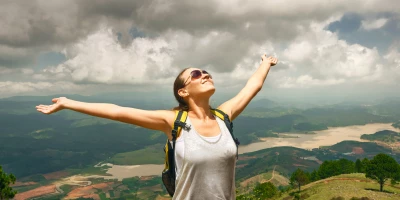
[{"x": 207, "y": 76}]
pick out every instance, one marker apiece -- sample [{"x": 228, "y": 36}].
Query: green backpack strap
[{"x": 224, "y": 117}]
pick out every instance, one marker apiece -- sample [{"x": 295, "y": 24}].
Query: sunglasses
[{"x": 197, "y": 74}]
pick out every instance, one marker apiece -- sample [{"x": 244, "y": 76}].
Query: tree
[
  {"x": 381, "y": 168},
  {"x": 265, "y": 190},
  {"x": 364, "y": 164},
  {"x": 358, "y": 166},
  {"x": 314, "y": 176},
  {"x": 6, "y": 192},
  {"x": 345, "y": 166},
  {"x": 299, "y": 178}
]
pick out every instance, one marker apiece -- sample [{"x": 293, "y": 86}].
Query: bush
[
  {"x": 337, "y": 198},
  {"x": 265, "y": 190}
]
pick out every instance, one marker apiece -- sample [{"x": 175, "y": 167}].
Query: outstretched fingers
[
  {"x": 44, "y": 108},
  {"x": 272, "y": 60}
]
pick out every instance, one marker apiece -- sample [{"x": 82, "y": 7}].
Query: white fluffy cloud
[
  {"x": 10, "y": 88},
  {"x": 319, "y": 58},
  {"x": 373, "y": 24},
  {"x": 306, "y": 81},
  {"x": 316, "y": 57},
  {"x": 100, "y": 58},
  {"x": 392, "y": 67}
]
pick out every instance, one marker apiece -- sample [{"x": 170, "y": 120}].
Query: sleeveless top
[{"x": 207, "y": 168}]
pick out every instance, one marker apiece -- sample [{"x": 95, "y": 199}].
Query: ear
[{"x": 183, "y": 93}]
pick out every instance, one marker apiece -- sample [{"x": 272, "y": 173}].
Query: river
[{"x": 327, "y": 137}]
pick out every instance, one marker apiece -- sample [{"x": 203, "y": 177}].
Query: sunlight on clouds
[
  {"x": 19, "y": 87},
  {"x": 298, "y": 51},
  {"x": 392, "y": 66},
  {"x": 327, "y": 60},
  {"x": 15, "y": 88},
  {"x": 101, "y": 59},
  {"x": 306, "y": 81},
  {"x": 373, "y": 24}
]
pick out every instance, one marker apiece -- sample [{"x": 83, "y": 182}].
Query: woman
[{"x": 206, "y": 153}]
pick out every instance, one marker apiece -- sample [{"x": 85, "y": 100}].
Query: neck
[{"x": 200, "y": 108}]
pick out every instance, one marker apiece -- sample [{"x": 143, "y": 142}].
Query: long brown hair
[{"x": 178, "y": 84}]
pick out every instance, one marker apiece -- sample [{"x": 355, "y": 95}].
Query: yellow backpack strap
[
  {"x": 169, "y": 168},
  {"x": 224, "y": 117},
  {"x": 180, "y": 122}
]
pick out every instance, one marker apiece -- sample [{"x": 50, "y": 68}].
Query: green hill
[
  {"x": 396, "y": 125},
  {"x": 286, "y": 160},
  {"x": 346, "y": 186},
  {"x": 368, "y": 147},
  {"x": 384, "y": 136}
]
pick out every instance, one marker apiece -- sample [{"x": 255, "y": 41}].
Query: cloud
[
  {"x": 148, "y": 42},
  {"x": 392, "y": 66},
  {"x": 10, "y": 88},
  {"x": 306, "y": 81},
  {"x": 101, "y": 59},
  {"x": 15, "y": 56},
  {"x": 319, "y": 57},
  {"x": 373, "y": 24},
  {"x": 40, "y": 26}
]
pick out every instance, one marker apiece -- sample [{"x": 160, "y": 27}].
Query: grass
[
  {"x": 348, "y": 186},
  {"x": 150, "y": 155}
]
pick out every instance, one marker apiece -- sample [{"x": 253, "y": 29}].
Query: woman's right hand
[{"x": 48, "y": 109}]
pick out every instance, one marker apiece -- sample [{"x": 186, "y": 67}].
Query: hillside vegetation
[
  {"x": 384, "y": 136},
  {"x": 346, "y": 186},
  {"x": 396, "y": 125}
]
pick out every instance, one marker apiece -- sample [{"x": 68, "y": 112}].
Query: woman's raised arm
[
  {"x": 237, "y": 104},
  {"x": 156, "y": 120}
]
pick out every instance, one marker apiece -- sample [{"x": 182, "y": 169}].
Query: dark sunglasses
[{"x": 197, "y": 74}]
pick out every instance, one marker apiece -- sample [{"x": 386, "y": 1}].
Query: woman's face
[{"x": 198, "y": 84}]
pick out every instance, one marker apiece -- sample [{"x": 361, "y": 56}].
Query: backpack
[{"x": 168, "y": 174}]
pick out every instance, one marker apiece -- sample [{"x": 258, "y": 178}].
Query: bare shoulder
[
  {"x": 225, "y": 107},
  {"x": 169, "y": 116}
]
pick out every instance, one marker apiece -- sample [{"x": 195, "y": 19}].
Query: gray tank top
[{"x": 208, "y": 168}]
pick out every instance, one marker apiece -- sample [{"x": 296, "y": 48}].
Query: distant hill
[
  {"x": 286, "y": 160},
  {"x": 348, "y": 145},
  {"x": 384, "y": 136},
  {"x": 396, "y": 124},
  {"x": 263, "y": 103},
  {"x": 387, "y": 107},
  {"x": 344, "y": 116}
]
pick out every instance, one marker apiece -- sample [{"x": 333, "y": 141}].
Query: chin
[{"x": 210, "y": 91}]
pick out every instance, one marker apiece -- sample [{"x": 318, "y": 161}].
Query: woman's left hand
[{"x": 270, "y": 60}]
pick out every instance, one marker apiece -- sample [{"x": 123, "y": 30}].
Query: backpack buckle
[{"x": 184, "y": 126}]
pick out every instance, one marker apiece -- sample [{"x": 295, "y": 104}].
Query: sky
[{"x": 326, "y": 49}]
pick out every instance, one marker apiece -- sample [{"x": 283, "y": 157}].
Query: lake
[{"x": 327, "y": 137}]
